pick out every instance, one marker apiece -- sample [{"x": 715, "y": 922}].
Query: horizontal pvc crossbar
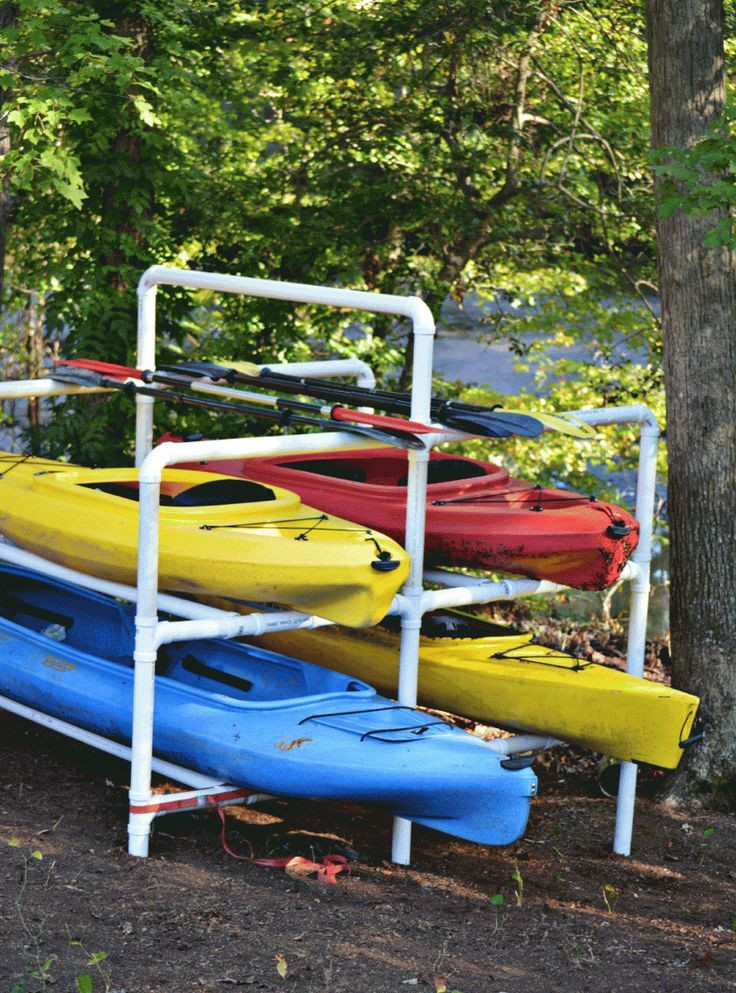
[
  {"x": 324, "y": 369},
  {"x": 212, "y": 622},
  {"x": 45, "y": 387},
  {"x": 412, "y": 307},
  {"x": 176, "y": 772},
  {"x": 523, "y": 743}
]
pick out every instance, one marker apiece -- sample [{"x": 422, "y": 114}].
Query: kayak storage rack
[{"x": 200, "y": 621}]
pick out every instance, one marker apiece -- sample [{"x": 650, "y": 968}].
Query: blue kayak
[{"x": 252, "y": 717}]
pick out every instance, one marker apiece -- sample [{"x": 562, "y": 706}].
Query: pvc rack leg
[
  {"x": 139, "y": 823},
  {"x": 638, "y": 612},
  {"x": 625, "y": 808},
  {"x": 401, "y": 841}
]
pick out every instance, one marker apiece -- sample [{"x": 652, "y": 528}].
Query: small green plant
[
  {"x": 39, "y": 977},
  {"x": 519, "y": 891},
  {"x": 497, "y": 904},
  {"x": 610, "y": 896},
  {"x": 707, "y": 835},
  {"x": 95, "y": 959},
  {"x": 33, "y": 979}
]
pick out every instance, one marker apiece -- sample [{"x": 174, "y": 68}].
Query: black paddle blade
[
  {"x": 78, "y": 377},
  {"x": 399, "y": 439},
  {"x": 490, "y": 424},
  {"x": 207, "y": 370}
]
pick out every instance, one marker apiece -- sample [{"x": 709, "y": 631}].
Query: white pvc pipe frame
[
  {"x": 152, "y": 463},
  {"x": 414, "y": 601}
]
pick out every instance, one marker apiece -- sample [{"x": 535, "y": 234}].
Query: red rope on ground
[{"x": 327, "y": 869}]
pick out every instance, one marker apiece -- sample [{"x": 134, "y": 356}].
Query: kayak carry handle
[
  {"x": 698, "y": 736},
  {"x": 618, "y": 529},
  {"x": 517, "y": 762}
]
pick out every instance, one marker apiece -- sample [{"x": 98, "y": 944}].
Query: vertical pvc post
[
  {"x": 146, "y": 621},
  {"x": 145, "y": 359},
  {"x": 416, "y": 506},
  {"x": 639, "y": 606}
]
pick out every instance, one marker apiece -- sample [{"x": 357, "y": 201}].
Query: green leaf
[
  {"x": 145, "y": 111},
  {"x": 84, "y": 983},
  {"x": 497, "y": 900}
]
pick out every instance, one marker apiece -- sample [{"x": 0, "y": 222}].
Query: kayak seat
[
  {"x": 448, "y": 470},
  {"x": 220, "y": 492}
]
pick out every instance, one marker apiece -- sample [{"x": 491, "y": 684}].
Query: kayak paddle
[
  {"x": 483, "y": 422},
  {"x": 87, "y": 377},
  {"x": 169, "y": 377},
  {"x": 470, "y": 418}
]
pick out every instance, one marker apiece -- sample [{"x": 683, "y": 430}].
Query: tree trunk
[
  {"x": 698, "y": 291},
  {"x": 34, "y": 350}
]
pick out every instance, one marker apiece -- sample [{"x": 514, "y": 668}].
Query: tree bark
[{"x": 698, "y": 292}]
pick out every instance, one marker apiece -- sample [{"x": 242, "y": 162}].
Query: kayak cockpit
[
  {"x": 385, "y": 470},
  {"x": 214, "y": 493},
  {"x": 453, "y": 624},
  {"x": 88, "y": 623},
  {"x": 250, "y": 675}
]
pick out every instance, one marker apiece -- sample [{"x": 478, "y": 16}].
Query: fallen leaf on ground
[{"x": 282, "y": 966}]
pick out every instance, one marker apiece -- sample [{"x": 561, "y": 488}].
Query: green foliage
[
  {"x": 401, "y": 147},
  {"x": 701, "y": 180},
  {"x": 588, "y": 347}
]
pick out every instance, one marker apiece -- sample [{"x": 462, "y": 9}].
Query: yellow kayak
[
  {"x": 502, "y": 678},
  {"x": 218, "y": 535}
]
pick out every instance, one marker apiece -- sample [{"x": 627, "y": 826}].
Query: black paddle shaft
[
  {"x": 462, "y": 417},
  {"x": 84, "y": 377}
]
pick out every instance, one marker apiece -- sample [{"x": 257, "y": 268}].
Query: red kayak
[{"x": 477, "y": 514}]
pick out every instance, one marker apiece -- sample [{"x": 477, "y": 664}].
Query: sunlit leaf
[{"x": 282, "y": 966}]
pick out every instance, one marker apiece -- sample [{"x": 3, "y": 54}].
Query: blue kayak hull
[{"x": 252, "y": 717}]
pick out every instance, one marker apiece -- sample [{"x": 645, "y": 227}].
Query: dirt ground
[{"x": 554, "y": 912}]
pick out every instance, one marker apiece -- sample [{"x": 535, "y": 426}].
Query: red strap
[
  {"x": 182, "y": 804},
  {"x": 327, "y": 868}
]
